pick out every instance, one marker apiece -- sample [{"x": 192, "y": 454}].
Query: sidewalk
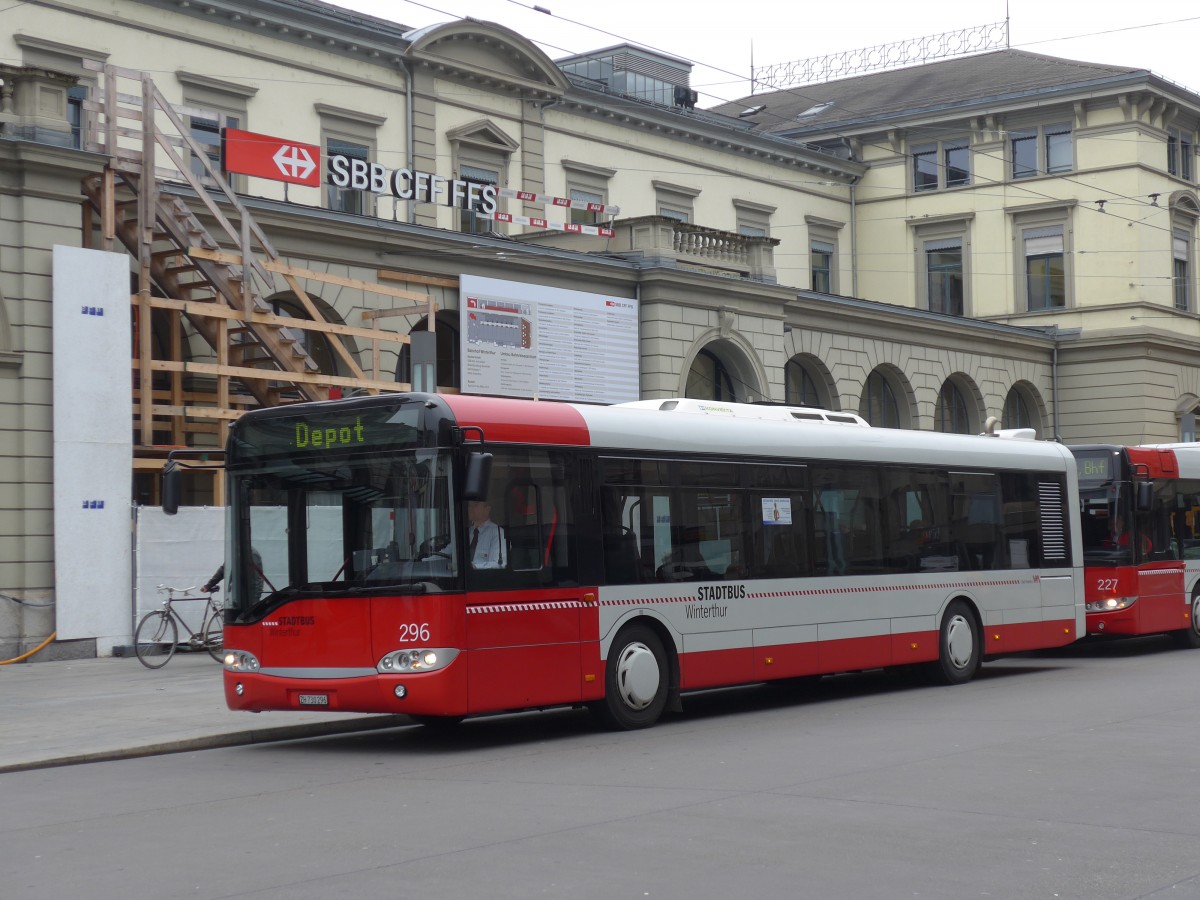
[{"x": 85, "y": 710}]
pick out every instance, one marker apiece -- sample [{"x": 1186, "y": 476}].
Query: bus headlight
[
  {"x": 1109, "y": 604},
  {"x": 240, "y": 661},
  {"x": 425, "y": 659}
]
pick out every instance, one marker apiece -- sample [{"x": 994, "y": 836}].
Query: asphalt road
[{"x": 1065, "y": 775}]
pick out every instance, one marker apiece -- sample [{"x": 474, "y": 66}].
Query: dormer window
[{"x": 814, "y": 110}]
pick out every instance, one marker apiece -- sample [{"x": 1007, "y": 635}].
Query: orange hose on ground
[{"x": 5, "y": 662}]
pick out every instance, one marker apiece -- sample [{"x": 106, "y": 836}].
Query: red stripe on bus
[{"x": 521, "y": 421}]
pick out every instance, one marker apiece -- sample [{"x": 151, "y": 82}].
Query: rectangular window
[
  {"x": 957, "y": 164},
  {"x": 1180, "y": 251},
  {"x": 944, "y": 274},
  {"x": 469, "y": 220},
  {"x": 75, "y": 114},
  {"x": 675, "y": 201},
  {"x": 583, "y": 216},
  {"x": 752, "y": 219},
  {"x": 207, "y": 133},
  {"x": 346, "y": 199},
  {"x": 941, "y": 165},
  {"x": 925, "y": 172},
  {"x": 821, "y": 257},
  {"x": 1058, "y": 148},
  {"x": 1045, "y": 268},
  {"x": 1179, "y": 153},
  {"x": 1041, "y": 151},
  {"x": 1024, "y": 154}
]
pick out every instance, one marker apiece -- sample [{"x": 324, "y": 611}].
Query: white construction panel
[
  {"x": 183, "y": 550},
  {"x": 93, "y": 446}
]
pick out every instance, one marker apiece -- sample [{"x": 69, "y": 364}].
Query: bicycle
[{"x": 157, "y": 635}]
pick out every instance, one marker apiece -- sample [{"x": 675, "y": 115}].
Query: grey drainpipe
[
  {"x": 408, "y": 130},
  {"x": 1054, "y": 384},
  {"x": 853, "y": 240}
]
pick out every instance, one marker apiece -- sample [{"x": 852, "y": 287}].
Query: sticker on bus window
[{"x": 777, "y": 510}]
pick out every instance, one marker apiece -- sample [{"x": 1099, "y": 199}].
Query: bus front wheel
[
  {"x": 636, "y": 679},
  {"x": 958, "y": 645},
  {"x": 1190, "y": 636}
]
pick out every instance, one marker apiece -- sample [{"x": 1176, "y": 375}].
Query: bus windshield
[
  {"x": 354, "y": 525},
  {"x": 1106, "y": 521}
]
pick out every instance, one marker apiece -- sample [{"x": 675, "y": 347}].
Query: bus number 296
[{"x": 411, "y": 631}]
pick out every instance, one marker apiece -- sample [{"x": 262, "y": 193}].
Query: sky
[{"x": 1152, "y": 34}]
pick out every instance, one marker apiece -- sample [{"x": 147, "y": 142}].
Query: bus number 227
[{"x": 1106, "y": 584}]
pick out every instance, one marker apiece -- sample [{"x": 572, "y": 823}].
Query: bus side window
[
  {"x": 622, "y": 561},
  {"x": 525, "y": 530}
]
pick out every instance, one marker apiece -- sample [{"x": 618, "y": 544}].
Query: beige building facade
[{"x": 832, "y": 259}]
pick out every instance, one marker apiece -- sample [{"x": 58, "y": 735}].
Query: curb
[{"x": 215, "y": 741}]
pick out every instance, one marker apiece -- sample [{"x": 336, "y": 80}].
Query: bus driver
[{"x": 486, "y": 547}]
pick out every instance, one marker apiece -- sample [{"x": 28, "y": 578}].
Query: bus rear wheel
[
  {"x": 958, "y": 645},
  {"x": 1190, "y": 636},
  {"x": 636, "y": 680}
]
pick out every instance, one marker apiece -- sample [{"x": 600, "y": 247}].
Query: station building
[{"x": 1006, "y": 235}]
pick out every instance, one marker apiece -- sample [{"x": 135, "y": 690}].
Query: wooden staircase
[{"x": 205, "y": 267}]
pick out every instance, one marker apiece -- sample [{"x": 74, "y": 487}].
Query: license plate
[{"x": 314, "y": 699}]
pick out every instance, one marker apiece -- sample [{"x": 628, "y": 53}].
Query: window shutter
[{"x": 1039, "y": 241}]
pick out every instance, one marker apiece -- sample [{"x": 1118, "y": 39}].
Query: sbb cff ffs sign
[
  {"x": 411, "y": 184},
  {"x": 263, "y": 156}
]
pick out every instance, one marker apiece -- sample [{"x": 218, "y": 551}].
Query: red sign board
[{"x": 263, "y": 156}]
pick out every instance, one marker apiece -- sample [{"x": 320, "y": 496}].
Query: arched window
[
  {"x": 880, "y": 407},
  {"x": 1017, "y": 413},
  {"x": 1187, "y": 425},
  {"x": 314, "y": 343},
  {"x": 951, "y": 414},
  {"x": 799, "y": 387},
  {"x": 709, "y": 378}
]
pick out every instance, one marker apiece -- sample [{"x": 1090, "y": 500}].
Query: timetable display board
[{"x": 546, "y": 343}]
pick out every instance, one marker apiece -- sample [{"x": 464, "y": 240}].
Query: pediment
[
  {"x": 486, "y": 54},
  {"x": 482, "y": 133}
]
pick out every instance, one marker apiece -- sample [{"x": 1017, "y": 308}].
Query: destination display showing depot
[{"x": 322, "y": 432}]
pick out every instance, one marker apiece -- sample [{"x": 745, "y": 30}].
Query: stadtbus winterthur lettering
[{"x": 317, "y": 438}]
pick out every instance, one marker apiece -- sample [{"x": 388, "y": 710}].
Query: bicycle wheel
[
  {"x": 155, "y": 639},
  {"x": 214, "y": 635}
]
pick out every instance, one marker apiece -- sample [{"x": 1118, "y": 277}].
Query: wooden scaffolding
[{"x": 208, "y": 290}]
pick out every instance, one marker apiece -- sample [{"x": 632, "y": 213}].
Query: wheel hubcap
[
  {"x": 960, "y": 642},
  {"x": 1196, "y": 614},
  {"x": 637, "y": 676}
]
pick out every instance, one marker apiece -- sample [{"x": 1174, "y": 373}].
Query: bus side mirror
[
  {"x": 1145, "y": 495},
  {"x": 172, "y": 486},
  {"x": 479, "y": 476}
]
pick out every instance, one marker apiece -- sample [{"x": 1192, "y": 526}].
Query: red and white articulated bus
[
  {"x": 642, "y": 551},
  {"x": 1140, "y": 524}
]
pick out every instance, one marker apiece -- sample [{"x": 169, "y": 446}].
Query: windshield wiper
[{"x": 412, "y": 587}]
